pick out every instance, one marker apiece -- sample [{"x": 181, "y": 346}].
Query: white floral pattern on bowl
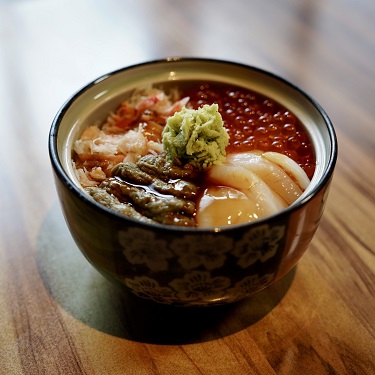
[
  {"x": 146, "y": 287},
  {"x": 193, "y": 252},
  {"x": 261, "y": 243},
  {"x": 200, "y": 285},
  {"x": 200, "y": 264},
  {"x": 142, "y": 247},
  {"x": 251, "y": 284},
  {"x": 197, "y": 287}
]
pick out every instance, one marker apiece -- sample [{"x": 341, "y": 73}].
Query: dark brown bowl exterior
[{"x": 189, "y": 266}]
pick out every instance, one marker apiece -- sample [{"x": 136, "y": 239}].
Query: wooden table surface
[{"x": 59, "y": 316}]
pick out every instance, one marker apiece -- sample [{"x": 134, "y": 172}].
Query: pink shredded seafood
[{"x": 132, "y": 131}]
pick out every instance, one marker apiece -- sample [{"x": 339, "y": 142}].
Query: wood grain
[{"x": 59, "y": 316}]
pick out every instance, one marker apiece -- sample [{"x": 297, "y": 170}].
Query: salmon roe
[{"x": 255, "y": 122}]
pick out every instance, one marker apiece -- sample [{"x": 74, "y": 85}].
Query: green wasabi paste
[{"x": 196, "y": 137}]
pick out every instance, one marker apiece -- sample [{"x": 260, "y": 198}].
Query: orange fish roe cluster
[{"x": 255, "y": 122}]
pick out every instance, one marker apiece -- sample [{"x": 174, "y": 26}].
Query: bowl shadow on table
[{"x": 82, "y": 292}]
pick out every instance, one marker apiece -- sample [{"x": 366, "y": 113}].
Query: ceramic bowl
[{"x": 189, "y": 266}]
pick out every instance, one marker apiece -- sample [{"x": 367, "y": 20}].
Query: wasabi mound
[{"x": 196, "y": 137}]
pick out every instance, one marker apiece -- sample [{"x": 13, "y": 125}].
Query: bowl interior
[{"x": 96, "y": 100}]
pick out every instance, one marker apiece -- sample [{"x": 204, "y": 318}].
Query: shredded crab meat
[{"x": 132, "y": 131}]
